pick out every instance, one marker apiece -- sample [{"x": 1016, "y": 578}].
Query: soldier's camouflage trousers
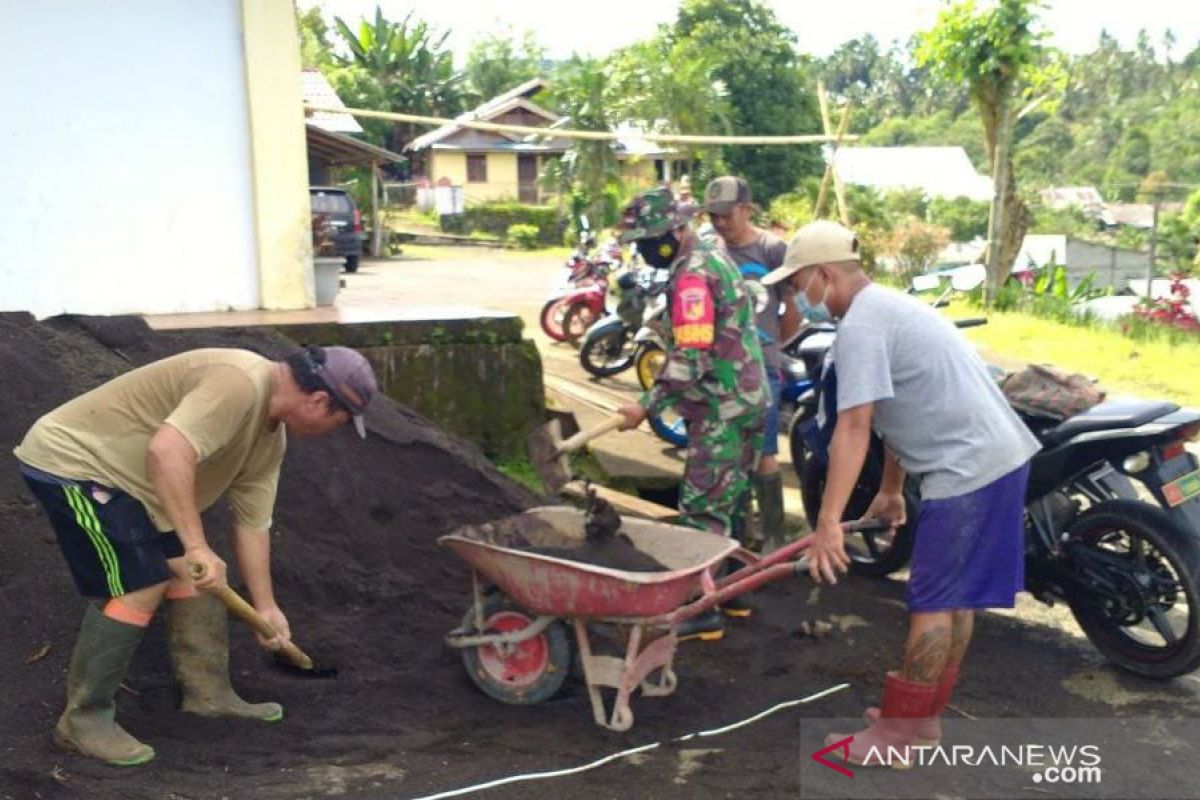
[{"x": 722, "y": 456}]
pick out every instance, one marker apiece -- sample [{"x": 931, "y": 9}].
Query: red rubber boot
[
  {"x": 930, "y": 732},
  {"x": 886, "y": 742}
]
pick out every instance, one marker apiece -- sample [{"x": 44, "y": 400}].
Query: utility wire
[{"x": 563, "y": 133}]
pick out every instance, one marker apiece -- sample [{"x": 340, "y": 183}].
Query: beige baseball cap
[{"x": 820, "y": 242}]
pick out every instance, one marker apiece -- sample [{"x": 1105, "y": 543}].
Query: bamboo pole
[
  {"x": 376, "y": 213},
  {"x": 823, "y": 192},
  {"x": 831, "y": 173}
]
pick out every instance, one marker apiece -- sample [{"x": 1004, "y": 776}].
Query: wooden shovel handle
[
  {"x": 583, "y": 437},
  {"x": 234, "y": 602}
]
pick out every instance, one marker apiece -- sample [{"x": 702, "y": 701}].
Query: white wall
[{"x": 125, "y": 181}]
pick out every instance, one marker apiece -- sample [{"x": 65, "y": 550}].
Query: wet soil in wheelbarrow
[
  {"x": 604, "y": 545},
  {"x": 358, "y": 572}
]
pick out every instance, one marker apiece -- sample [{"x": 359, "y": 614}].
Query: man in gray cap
[
  {"x": 124, "y": 472},
  {"x": 730, "y": 208}
]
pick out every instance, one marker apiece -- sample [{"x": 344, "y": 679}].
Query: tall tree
[
  {"x": 499, "y": 61},
  {"x": 656, "y": 85},
  {"x": 315, "y": 51},
  {"x": 396, "y": 66},
  {"x": 994, "y": 51},
  {"x": 754, "y": 57},
  {"x": 588, "y": 172}
]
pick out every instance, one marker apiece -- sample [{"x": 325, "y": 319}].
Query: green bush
[
  {"x": 524, "y": 237},
  {"x": 495, "y": 219}
]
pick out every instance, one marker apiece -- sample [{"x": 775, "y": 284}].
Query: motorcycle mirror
[
  {"x": 969, "y": 277},
  {"x": 925, "y": 283}
]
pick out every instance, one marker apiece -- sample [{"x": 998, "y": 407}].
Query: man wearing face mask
[
  {"x": 904, "y": 370},
  {"x": 730, "y": 205},
  {"x": 713, "y": 375}
]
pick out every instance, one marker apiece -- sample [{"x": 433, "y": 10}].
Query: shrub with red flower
[{"x": 1174, "y": 311}]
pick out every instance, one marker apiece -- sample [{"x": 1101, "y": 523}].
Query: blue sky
[{"x": 598, "y": 28}]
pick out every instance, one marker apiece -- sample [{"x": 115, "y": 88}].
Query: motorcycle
[
  {"x": 1128, "y": 569},
  {"x": 577, "y": 299},
  {"x": 610, "y": 346}
]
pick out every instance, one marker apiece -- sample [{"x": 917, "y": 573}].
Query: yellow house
[{"x": 490, "y": 167}]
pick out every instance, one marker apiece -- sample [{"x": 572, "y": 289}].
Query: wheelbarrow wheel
[{"x": 521, "y": 674}]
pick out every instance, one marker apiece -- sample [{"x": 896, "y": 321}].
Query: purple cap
[{"x": 350, "y": 379}]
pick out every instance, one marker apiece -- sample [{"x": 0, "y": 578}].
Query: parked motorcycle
[
  {"x": 577, "y": 298},
  {"x": 610, "y": 346}
]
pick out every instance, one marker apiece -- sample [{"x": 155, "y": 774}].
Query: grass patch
[
  {"x": 1154, "y": 369},
  {"x": 521, "y": 471}
]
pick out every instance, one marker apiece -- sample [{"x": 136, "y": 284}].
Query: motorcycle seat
[{"x": 1110, "y": 415}]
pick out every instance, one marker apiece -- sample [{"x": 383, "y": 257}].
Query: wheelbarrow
[{"x": 515, "y": 639}]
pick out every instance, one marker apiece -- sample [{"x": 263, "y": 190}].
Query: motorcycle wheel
[
  {"x": 1153, "y": 627},
  {"x": 670, "y": 427},
  {"x": 577, "y": 320},
  {"x": 609, "y": 353},
  {"x": 871, "y": 554},
  {"x": 552, "y": 317},
  {"x": 650, "y": 360}
]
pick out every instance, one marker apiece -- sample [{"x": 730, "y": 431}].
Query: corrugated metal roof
[
  {"x": 1067, "y": 196},
  {"x": 938, "y": 171},
  {"x": 338, "y": 149},
  {"x": 315, "y": 89},
  {"x": 517, "y": 96}
]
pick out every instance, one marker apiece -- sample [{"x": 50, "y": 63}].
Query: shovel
[
  {"x": 548, "y": 452},
  {"x": 288, "y": 655}
]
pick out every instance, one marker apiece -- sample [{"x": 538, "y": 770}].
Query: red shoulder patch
[{"x": 692, "y": 313}]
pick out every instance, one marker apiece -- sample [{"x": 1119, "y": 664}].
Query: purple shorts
[{"x": 970, "y": 549}]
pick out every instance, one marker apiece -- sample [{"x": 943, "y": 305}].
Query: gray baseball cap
[
  {"x": 349, "y": 378},
  {"x": 725, "y": 192}
]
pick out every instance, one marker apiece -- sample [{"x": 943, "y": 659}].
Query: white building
[
  {"x": 937, "y": 171},
  {"x": 153, "y": 157}
]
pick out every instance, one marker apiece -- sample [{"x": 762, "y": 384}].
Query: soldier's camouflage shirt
[{"x": 714, "y": 367}]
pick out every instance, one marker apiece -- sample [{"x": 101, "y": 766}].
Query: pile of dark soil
[
  {"x": 356, "y": 565},
  {"x": 365, "y": 587}
]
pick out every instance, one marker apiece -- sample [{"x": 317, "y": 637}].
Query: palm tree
[{"x": 403, "y": 67}]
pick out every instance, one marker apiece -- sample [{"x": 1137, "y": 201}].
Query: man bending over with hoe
[{"x": 123, "y": 473}]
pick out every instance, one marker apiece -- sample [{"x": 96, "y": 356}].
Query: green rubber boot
[
  {"x": 99, "y": 662},
  {"x": 198, "y": 642}
]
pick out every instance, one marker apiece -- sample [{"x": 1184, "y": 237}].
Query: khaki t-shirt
[{"x": 217, "y": 398}]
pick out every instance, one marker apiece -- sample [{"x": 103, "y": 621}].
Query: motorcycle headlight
[{"x": 1136, "y": 463}]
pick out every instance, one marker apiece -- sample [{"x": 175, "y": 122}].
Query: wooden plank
[{"x": 624, "y": 503}]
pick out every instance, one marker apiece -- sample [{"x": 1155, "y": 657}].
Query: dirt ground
[{"x": 358, "y": 571}]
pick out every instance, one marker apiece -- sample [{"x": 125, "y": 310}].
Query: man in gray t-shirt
[
  {"x": 729, "y": 205},
  {"x": 909, "y": 375}
]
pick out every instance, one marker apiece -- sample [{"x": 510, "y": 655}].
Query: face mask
[
  {"x": 817, "y": 312},
  {"x": 660, "y": 251}
]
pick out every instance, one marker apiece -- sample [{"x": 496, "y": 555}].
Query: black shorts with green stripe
[{"x": 105, "y": 535}]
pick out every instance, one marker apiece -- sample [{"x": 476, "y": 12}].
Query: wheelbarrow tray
[{"x": 552, "y": 586}]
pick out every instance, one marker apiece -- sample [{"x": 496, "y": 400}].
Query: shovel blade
[{"x": 550, "y": 465}]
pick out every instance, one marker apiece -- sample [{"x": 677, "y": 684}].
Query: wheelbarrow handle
[
  {"x": 771, "y": 567},
  {"x": 789, "y": 551}
]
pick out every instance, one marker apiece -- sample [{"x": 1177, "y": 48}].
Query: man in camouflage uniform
[{"x": 714, "y": 374}]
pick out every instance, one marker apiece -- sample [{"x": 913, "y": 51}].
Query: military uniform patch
[{"x": 692, "y": 313}]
